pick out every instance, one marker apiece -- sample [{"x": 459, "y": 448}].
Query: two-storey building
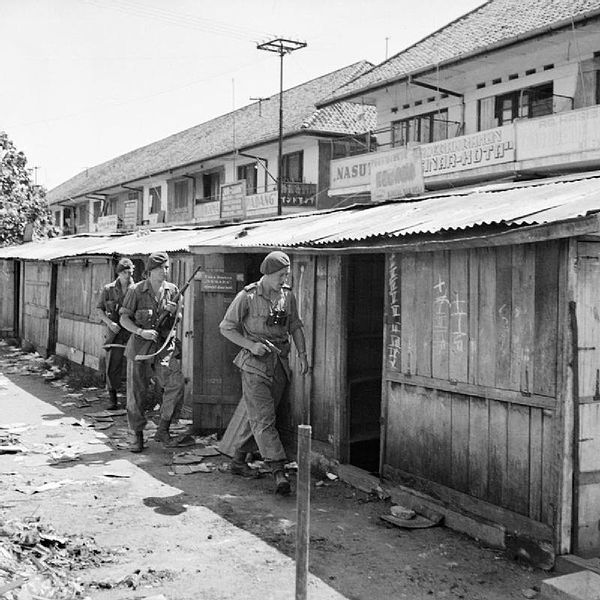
[
  {"x": 225, "y": 169},
  {"x": 509, "y": 91}
]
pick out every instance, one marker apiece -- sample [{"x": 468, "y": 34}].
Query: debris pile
[
  {"x": 193, "y": 461},
  {"x": 9, "y": 439},
  {"x": 20, "y": 362},
  {"x": 35, "y": 562},
  {"x": 144, "y": 577}
]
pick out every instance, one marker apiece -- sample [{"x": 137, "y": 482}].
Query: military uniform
[
  {"x": 264, "y": 378},
  {"x": 110, "y": 301},
  {"x": 144, "y": 309}
]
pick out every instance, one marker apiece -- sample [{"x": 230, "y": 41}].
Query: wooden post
[{"x": 303, "y": 511}]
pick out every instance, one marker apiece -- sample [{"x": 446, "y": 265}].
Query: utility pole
[{"x": 282, "y": 47}]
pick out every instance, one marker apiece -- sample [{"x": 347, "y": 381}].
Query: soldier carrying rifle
[
  {"x": 108, "y": 307},
  {"x": 151, "y": 311}
]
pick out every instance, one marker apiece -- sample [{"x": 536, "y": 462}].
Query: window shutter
[{"x": 486, "y": 118}]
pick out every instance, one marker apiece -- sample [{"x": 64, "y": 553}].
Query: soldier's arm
[
  {"x": 231, "y": 326},
  {"x": 103, "y": 316}
]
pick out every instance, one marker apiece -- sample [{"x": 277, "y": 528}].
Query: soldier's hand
[
  {"x": 303, "y": 363},
  {"x": 171, "y": 307},
  {"x": 149, "y": 334},
  {"x": 259, "y": 349},
  {"x": 114, "y": 327}
]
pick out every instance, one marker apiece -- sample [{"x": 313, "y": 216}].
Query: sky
[{"x": 84, "y": 81}]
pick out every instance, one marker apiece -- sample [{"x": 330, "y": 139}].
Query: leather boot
[
  {"x": 282, "y": 484},
  {"x": 114, "y": 403},
  {"x": 137, "y": 444},
  {"x": 162, "y": 433},
  {"x": 239, "y": 466}
]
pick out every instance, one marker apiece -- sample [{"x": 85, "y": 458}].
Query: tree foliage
[{"x": 21, "y": 202}]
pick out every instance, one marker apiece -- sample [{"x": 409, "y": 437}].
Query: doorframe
[
  {"x": 16, "y": 297},
  {"x": 52, "y": 310}
]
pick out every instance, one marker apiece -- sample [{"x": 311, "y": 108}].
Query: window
[
  {"x": 250, "y": 174},
  {"x": 211, "y": 185},
  {"x": 155, "y": 194},
  {"x": 422, "y": 129},
  {"x": 180, "y": 194},
  {"x": 525, "y": 103},
  {"x": 97, "y": 210},
  {"x": 57, "y": 217},
  {"x": 82, "y": 212},
  {"x": 111, "y": 206},
  {"x": 292, "y": 166}
]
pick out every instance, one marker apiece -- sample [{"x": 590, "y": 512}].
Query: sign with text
[
  {"x": 396, "y": 174},
  {"x": 207, "y": 212},
  {"x": 130, "y": 208},
  {"x": 486, "y": 148},
  {"x": 232, "y": 200},
  {"x": 259, "y": 205},
  {"x": 350, "y": 174},
  {"x": 567, "y": 133},
  {"x": 217, "y": 281},
  {"x": 108, "y": 223}
]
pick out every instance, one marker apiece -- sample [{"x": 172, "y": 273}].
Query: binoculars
[{"x": 277, "y": 317}]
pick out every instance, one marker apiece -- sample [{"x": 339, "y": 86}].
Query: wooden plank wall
[
  {"x": 7, "y": 299},
  {"x": 588, "y": 325},
  {"x": 471, "y": 363},
  {"x": 181, "y": 270},
  {"x": 319, "y": 398},
  {"x": 35, "y": 304},
  {"x": 80, "y": 334}
]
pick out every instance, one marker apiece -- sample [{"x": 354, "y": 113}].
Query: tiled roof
[
  {"x": 254, "y": 124},
  {"x": 495, "y": 22}
]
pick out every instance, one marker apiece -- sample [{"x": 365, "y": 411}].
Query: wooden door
[
  {"x": 7, "y": 301},
  {"x": 217, "y": 385},
  {"x": 36, "y": 314},
  {"x": 587, "y": 463}
]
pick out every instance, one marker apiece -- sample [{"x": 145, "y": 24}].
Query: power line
[
  {"x": 181, "y": 19},
  {"x": 136, "y": 99}
]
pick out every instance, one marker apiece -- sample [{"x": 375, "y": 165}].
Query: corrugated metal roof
[
  {"x": 54, "y": 248},
  {"x": 511, "y": 204}
]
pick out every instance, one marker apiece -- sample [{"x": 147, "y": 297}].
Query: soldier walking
[{"x": 108, "y": 307}]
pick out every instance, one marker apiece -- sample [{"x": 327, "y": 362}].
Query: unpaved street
[{"x": 208, "y": 534}]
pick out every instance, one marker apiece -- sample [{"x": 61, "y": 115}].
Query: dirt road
[{"x": 212, "y": 535}]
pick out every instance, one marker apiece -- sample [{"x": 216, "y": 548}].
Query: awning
[{"x": 508, "y": 205}]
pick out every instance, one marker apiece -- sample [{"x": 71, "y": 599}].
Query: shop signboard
[
  {"x": 474, "y": 151},
  {"x": 350, "y": 175},
  {"x": 261, "y": 205},
  {"x": 130, "y": 210},
  {"x": 217, "y": 281},
  {"x": 207, "y": 212},
  {"x": 396, "y": 174},
  {"x": 107, "y": 223},
  {"x": 567, "y": 134},
  {"x": 232, "y": 200}
]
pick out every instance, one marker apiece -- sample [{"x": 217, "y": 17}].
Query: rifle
[{"x": 163, "y": 323}]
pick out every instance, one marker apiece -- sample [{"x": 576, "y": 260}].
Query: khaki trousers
[
  {"x": 258, "y": 407},
  {"x": 167, "y": 372}
]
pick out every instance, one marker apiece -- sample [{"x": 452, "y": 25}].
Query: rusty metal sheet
[{"x": 529, "y": 203}]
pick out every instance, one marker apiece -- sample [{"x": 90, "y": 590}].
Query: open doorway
[{"x": 365, "y": 305}]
